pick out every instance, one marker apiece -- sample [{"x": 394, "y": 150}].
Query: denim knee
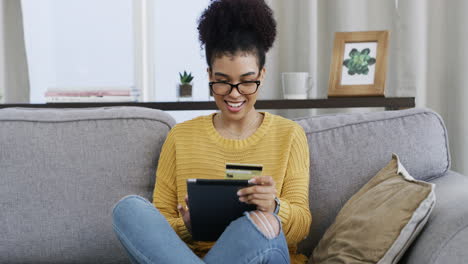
[
  {"x": 266, "y": 223},
  {"x": 129, "y": 200},
  {"x": 256, "y": 245},
  {"x": 277, "y": 232}
]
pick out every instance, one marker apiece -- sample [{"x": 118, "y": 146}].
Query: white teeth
[{"x": 235, "y": 105}]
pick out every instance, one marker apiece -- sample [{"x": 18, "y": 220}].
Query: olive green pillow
[{"x": 380, "y": 221}]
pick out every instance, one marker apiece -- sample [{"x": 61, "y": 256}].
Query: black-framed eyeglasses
[{"x": 225, "y": 88}]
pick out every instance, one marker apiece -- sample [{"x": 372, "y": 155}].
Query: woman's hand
[
  {"x": 262, "y": 194},
  {"x": 185, "y": 214}
]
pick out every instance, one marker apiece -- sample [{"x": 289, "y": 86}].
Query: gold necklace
[{"x": 247, "y": 129}]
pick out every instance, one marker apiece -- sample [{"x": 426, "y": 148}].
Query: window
[
  {"x": 115, "y": 44},
  {"x": 78, "y": 44}
]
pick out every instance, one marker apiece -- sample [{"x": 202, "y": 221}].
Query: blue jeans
[{"x": 148, "y": 238}]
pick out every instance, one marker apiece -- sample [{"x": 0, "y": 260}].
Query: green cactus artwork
[{"x": 359, "y": 62}]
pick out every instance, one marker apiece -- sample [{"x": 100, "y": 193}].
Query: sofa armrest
[{"x": 444, "y": 239}]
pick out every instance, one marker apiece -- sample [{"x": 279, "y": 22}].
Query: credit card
[{"x": 236, "y": 171}]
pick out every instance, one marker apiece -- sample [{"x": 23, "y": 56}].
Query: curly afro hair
[{"x": 230, "y": 26}]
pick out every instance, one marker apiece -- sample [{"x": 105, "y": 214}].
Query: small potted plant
[{"x": 185, "y": 86}]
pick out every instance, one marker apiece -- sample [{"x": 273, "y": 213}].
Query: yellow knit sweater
[{"x": 194, "y": 149}]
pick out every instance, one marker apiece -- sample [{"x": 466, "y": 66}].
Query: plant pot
[{"x": 185, "y": 91}]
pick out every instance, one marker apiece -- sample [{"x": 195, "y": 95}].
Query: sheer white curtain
[
  {"x": 14, "y": 81},
  {"x": 427, "y": 55}
]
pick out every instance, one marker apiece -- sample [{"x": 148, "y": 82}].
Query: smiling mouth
[{"x": 235, "y": 105}]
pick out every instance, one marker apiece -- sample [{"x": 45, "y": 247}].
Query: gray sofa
[{"x": 62, "y": 170}]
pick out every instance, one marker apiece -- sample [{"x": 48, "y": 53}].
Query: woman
[{"x": 236, "y": 35}]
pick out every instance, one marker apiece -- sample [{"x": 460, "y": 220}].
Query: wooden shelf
[{"x": 389, "y": 103}]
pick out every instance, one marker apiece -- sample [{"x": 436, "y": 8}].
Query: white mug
[{"x": 296, "y": 85}]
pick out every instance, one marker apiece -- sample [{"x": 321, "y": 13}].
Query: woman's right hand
[{"x": 184, "y": 211}]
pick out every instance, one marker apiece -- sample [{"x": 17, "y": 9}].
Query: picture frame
[{"x": 359, "y": 64}]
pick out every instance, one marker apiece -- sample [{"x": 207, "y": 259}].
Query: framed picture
[{"x": 359, "y": 64}]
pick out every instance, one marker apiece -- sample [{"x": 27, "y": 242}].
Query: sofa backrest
[
  {"x": 347, "y": 150},
  {"x": 62, "y": 170}
]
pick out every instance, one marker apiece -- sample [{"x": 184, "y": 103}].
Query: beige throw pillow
[{"x": 380, "y": 221}]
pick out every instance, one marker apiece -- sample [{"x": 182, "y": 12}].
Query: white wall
[{"x": 79, "y": 43}]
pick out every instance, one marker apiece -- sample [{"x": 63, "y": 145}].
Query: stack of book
[{"x": 92, "y": 94}]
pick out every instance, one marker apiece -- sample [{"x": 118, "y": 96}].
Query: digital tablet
[{"x": 213, "y": 204}]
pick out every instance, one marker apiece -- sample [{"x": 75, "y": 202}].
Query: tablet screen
[{"x": 213, "y": 205}]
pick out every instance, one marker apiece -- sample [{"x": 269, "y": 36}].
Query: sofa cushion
[
  {"x": 445, "y": 236},
  {"x": 62, "y": 170},
  {"x": 380, "y": 221},
  {"x": 347, "y": 150}
]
